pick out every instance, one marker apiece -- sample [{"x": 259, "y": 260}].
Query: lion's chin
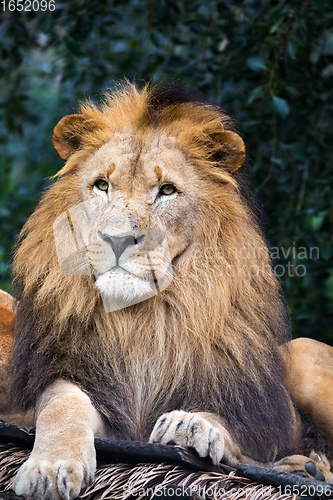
[{"x": 120, "y": 289}]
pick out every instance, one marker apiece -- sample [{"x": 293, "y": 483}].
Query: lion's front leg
[
  {"x": 63, "y": 460},
  {"x": 205, "y": 432}
]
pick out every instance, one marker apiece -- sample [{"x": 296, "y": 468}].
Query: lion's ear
[
  {"x": 229, "y": 149},
  {"x": 67, "y": 135}
]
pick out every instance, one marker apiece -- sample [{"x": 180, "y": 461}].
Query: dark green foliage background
[{"x": 270, "y": 65}]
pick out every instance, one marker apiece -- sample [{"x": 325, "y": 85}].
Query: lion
[{"x": 148, "y": 308}]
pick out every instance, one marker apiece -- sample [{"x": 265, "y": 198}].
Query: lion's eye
[
  {"x": 102, "y": 185},
  {"x": 168, "y": 189}
]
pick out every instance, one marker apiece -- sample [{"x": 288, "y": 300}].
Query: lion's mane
[{"x": 208, "y": 342}]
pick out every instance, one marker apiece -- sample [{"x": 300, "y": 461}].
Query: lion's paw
[
  {"x": 316, "y": 466},
  {"x": 48, "y": 480},
  {"x": 190, "y": 430}
]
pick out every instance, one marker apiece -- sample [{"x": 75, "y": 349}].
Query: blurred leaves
[
  {"x": 280, "y": 107},
  {"x": 256, "y": 63},
  {"x": 269, "y": 64}
]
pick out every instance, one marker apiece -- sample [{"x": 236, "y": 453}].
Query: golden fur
[{"x": 209, "y": 342}]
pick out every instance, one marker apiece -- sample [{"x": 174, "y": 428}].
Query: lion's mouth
[
  {"x": 119, "y": 268},
  {"x": 120, "y": 288}
]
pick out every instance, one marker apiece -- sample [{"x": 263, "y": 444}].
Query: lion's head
[
  {"x": 150, "y": 219},
  {"x": 140, "y": 192}
]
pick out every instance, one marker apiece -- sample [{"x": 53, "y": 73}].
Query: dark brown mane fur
[{"x": 208, "y": 342}]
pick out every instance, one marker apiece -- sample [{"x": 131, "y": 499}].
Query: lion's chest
[{"x": 141, "y": 391}]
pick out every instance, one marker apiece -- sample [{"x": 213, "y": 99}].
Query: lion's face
[{"x": 138, "y": 213}]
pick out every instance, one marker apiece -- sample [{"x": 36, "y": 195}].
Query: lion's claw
[
  {"x": 43, "y": 479},
  {"x": 190, "y": 430}
]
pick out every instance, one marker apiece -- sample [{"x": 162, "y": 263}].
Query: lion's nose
[{"x": 119, "y": 243}]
